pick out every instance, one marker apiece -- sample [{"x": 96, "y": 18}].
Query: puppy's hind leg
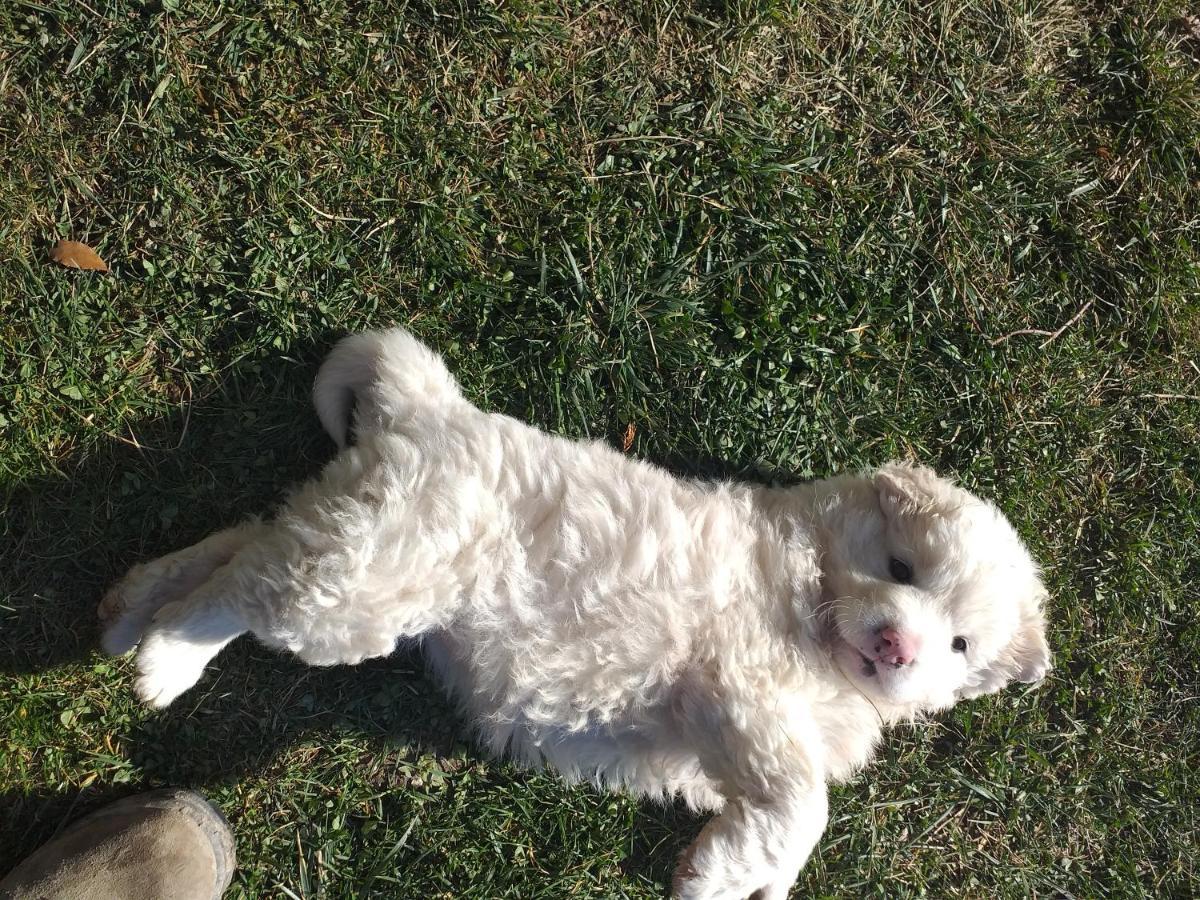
[
  {"x": 183, "y": 636},
  {"x": 130, "y": 604}
]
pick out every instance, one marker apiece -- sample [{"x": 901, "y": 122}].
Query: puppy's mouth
[{"x": 868, "y": 666}]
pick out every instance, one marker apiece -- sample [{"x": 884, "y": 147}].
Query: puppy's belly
[{"x": 640, "y": 753}]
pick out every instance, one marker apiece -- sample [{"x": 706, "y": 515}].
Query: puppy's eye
[
  {"x": 959, "y": 645},
  {"x": 900, "y": 570}
]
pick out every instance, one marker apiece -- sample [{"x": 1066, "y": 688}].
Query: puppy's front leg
[
  {"x": 763, "y": 751},
  {"x": 754, "y": 847}
]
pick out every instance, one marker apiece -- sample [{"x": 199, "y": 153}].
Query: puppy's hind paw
[
  {"x": 155, "y": 692},
  {"x": 127, "y": 608},
  {"x": 166, "y": 668},
  {"x": 159, "y": 686},
  {"x": 129, "y": 605},
  {"x": 177, "y": 646},
  {"x": 122, "y": 636}
]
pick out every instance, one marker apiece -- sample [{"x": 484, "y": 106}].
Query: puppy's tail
[{"x": 382, "y": 377}]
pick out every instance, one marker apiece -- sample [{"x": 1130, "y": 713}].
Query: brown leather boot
[{"x": 161, "y": 845}]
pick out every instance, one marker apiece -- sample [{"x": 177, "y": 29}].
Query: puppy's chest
[{"x": 849, "y": 729}]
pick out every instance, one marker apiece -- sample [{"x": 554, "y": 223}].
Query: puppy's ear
[
  {"x": 1031, "y": 652},
  {"x": 907, "y": 489},
  {"x": 1026, "y": 659}
]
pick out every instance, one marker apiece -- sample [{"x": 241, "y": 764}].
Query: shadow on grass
[
  {"x": 163, "y": 485},
  {"x": 170, "y": 483},
  {"x": 30, "y": 818}
]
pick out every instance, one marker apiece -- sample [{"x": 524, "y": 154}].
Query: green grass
[{"x": 775, "y": 237}]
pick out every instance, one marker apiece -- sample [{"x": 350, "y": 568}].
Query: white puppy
[{"x": 733, "y": 645}]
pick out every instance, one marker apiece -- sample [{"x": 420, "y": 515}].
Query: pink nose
[{"x": 896, "y": 648}]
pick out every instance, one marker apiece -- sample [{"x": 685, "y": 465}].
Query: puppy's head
[{"x": 930, "y": 594}]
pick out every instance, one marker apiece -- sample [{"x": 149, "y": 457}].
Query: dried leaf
[
  {"x": 627, "y": 441},
  {"x": 75, "y": 255}
]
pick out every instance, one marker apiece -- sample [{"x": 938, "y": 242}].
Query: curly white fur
[{"x": 716, "y": 642}]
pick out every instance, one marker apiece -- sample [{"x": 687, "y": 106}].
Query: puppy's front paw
[
  {"x": 688, "y": 883},
  {"x": 716, "y": 870},
  {"x": 685, "y": 885},
  {"x": 777, "y": 891}
]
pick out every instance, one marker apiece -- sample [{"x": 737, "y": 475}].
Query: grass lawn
[{"x": 775, "y": 239}]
